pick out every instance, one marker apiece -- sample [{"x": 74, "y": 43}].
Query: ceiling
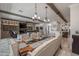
[
  {"x": 64, "y": 9},
  {"x": 27, "y": 9}
]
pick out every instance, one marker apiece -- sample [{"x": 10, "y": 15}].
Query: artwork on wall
[{"x": 65, "y": 27}]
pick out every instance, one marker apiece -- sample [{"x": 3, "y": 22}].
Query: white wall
[{"x": 74, "y": 20}]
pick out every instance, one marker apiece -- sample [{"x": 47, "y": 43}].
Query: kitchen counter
[
  {"x": 48, "y": 47},
  {"x": 6, "y": 49},
  {"x": 38, "y": 43}
]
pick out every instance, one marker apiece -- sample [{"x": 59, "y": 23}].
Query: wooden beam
[
  {"x": 6, "y": 12},
  {"x": 53, "y": 7},
  {"x": 18, "y": 20}
]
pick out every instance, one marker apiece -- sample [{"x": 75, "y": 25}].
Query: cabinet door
[
  {"x": 5, "y": 22},
  {"x": 75, "y": 45}
]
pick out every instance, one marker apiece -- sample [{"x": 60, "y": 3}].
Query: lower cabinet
[{"x": 75, "y": 44}]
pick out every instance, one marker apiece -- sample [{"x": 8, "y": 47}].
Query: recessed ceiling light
[{"x": 20, "y": 11}]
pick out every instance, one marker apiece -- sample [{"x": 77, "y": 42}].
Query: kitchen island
[{"x": 8, "y": 50}]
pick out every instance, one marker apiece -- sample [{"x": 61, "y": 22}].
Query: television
[{"x": 22, "y": 25}]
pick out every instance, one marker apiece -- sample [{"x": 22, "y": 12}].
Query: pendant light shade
[
  {"x": 46, "y": 18},
  {"x": 35, "y": 16}
]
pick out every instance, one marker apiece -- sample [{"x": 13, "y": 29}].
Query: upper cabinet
[{"x": 10, "y": 22}]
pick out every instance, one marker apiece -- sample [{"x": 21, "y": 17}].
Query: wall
[{"x": 74, "y": 20}]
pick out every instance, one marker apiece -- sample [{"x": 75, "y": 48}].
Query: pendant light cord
[
  {"x": 46, "y": 12},
  {"x": 36, "y": 8}
]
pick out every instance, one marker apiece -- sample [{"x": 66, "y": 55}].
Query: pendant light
[
  {"x": 46, "y": 18},
  {"x": 35, "y": 16}
]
